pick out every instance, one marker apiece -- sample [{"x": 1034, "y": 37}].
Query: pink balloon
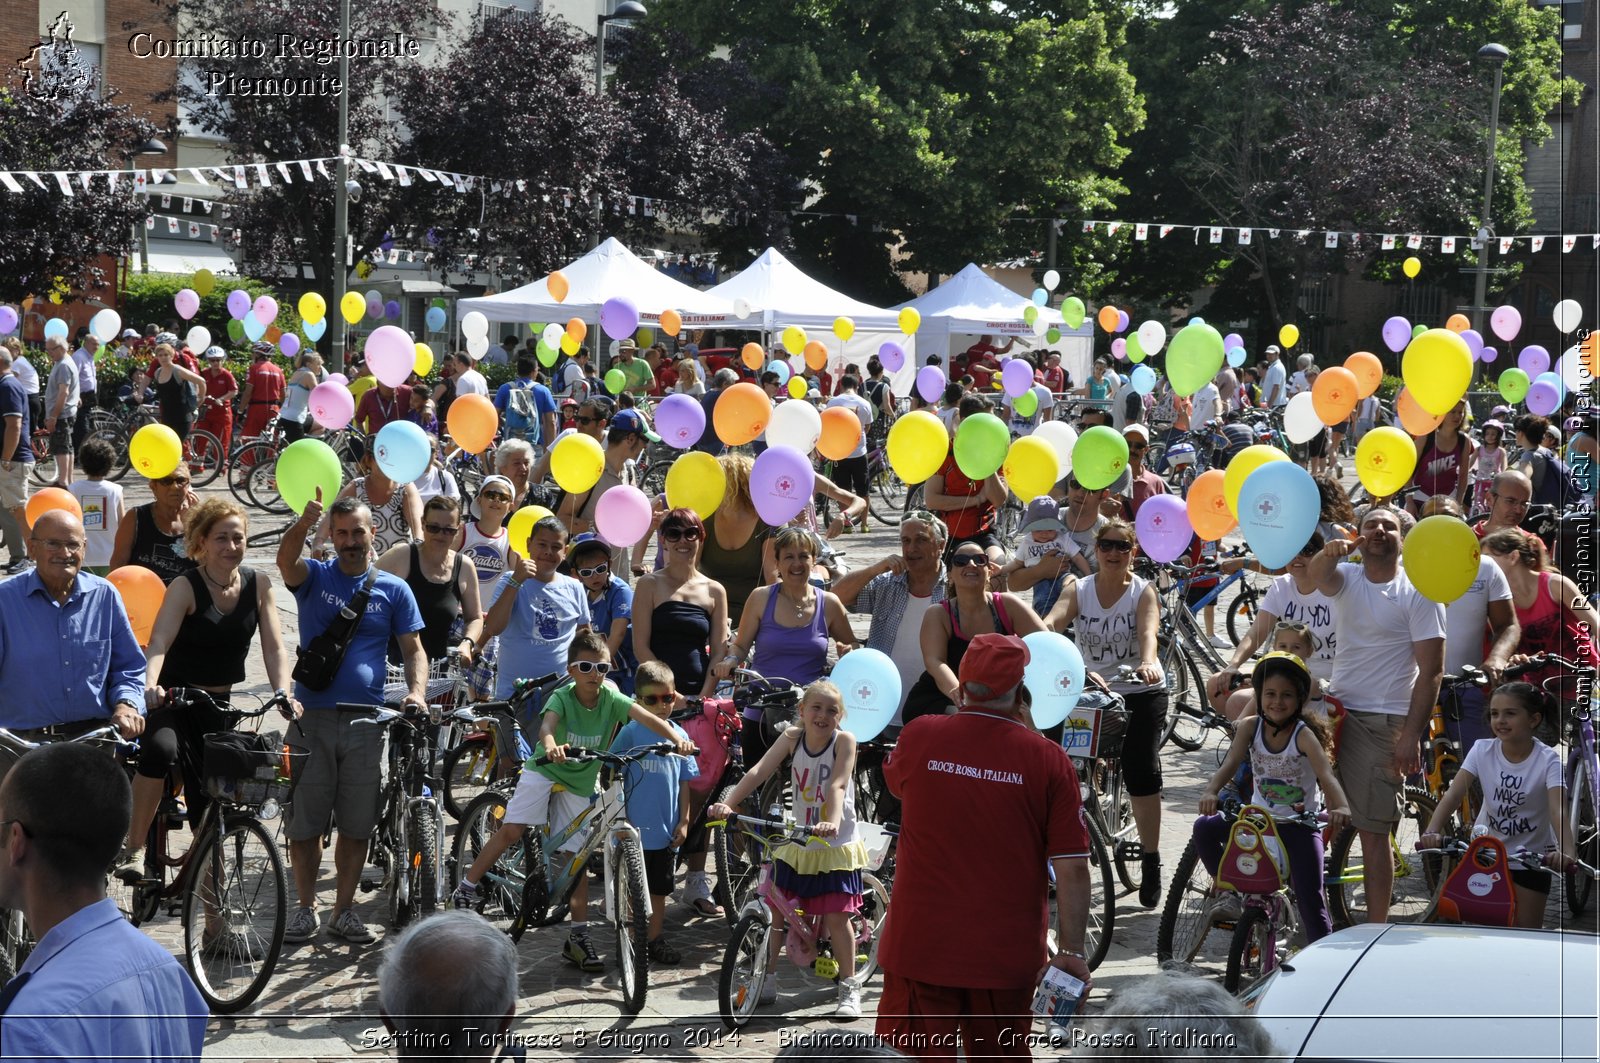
[
  {"x": 332, "y": 404},
  {"x": 391, "y": 354},
  {"x": 265, "y": 309},
  {"x": 187, "y": 302},
  {"x": 1506, "y": 322},
  {"x": 622, "y": 515},
  {"x": 680, "y": 421},
  {"x": 1119, "y": 347},
  {"x": 1163, "y": 527},
  {"x": 781, "y": 483},
  {"x": 337, "y": 378}
]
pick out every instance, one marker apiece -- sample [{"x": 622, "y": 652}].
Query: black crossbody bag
[{"x": 316, "y": 665}]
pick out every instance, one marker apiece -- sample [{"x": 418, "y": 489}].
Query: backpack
[
  {"x": 711, "y": 724},
  {"x": 522, "y": 405},
  {"x": 1560, "y": 488}
]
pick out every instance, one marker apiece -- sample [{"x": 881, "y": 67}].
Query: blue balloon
[
  {"x": 55, "y": 329},
  {"x": 1194, "y": 321},
  {"x": 391, "y": 310},
  {"x": 1143, "y": 379},
  {"x": 782, "y": 369},
  {"x": 435, "y": 319},
  {"x": 314, "y": 329},
  {"x": 253, "y": 328},
  {"x": 1054, "y": 674},
  {"x": 871, "y": 686},
  {"x": 1236, "y": 356},
  {"x": 1278, "y": 510},
  {"x": 401, "y": 451},
  {"x": 1040, "y": 297}
]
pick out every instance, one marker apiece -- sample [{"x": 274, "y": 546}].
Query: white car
[{"x": 1436, "y": 992}]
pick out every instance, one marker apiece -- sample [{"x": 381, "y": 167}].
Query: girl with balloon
[{"x": 396, "y": 508}]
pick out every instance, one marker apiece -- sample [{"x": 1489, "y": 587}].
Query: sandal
[
  {"x": 707, "y": 907},
  {"x": 663, "y": 953}
]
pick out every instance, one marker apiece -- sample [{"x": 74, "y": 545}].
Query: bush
[
  {"x": 1390, "y": 387},
  {"x": 148, "y": 298}
]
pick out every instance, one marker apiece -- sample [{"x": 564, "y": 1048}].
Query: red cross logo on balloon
[
  {"x": 785, "y": 486},
  {"x": 1267, "y": 507},
  {"x": 1064, "y": 681},
  {"x": 1158, "y": 521},
  {"x": 865, "y": 691}
]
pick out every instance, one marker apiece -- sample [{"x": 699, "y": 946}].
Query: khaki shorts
[
  {"x": 14, "y": 485},
  {"x": 1366, "y": 748},
  {"x": 342, "y": 776},
  {"x": 536, "y": 801}
]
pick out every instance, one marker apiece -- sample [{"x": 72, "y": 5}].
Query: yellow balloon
[
  {"x": 424, "y": 361},
  {"x": 1032, "y": 468},
  {"x": 1239, "y": 469},
  {"x": 918, "y": 445},
  {"x": 794, "y": 339},
  {"x": 910, "y": 321},
  {"x": 696, "y": 481},
  {"x": 1441, "y": 556},
  {"x": 844, "y": 328},
  {"x": 1437, "y": 368},
  {"x": 797, "y": 387},
  {"x": 1385, "y": 459},
  {"x": 353, "y": 307},
  {"x": 314, "y": 307},
  {"x": 1412, "y": 266},
  {"x": 519, "y": 529},
  {"x": 569, "y": 346},
  {"x": 1289, "y": 335},
  {"x": 204, "y": 282},
  {"x": 576, "y": 463},
  {"x": 155, "y": 451}
]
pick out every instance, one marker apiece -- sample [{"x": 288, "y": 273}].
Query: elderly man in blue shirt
[{"x": 68, "y": 656}]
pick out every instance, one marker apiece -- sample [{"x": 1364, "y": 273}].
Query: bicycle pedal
[
  {"x": 1130, "y": 850},
  {"x": 368, "y": 885}
]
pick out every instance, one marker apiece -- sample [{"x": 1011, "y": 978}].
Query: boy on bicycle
[{"x": 584, "y": 715}]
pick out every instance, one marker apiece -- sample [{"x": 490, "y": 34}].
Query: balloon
[
  {"x": 1122, "y": 321},
  {"x": 741, "y": 413},
  {"x": 1194, "y": 357},
  {"x": 199, "y": 338},
  {"x": 1098, "y": 457},
  {"x": 841, "y": 433},
  {"x": 1055, "y": 676},
  {"x": 1441, "y": 557},
  {"x": 519, "y": 528},
  {"x": 1052, "y": 335},
  {"x": 1052, "y": 279},
  {"x": 1072, "y": 311},
  {"x": 1040, "y": 297},
  {"x": 1026, "y": 404},
  {"x": 304, "y": 466},
  {"x": 204, "y": 282},
  {"x": 614, "y": 380},
  {"x": 391, "y": 354},
  {"x": 106, "y": 325},
  {"x": 1062, "y": 437},
  {"x": 1506, "y": 322},
  {"x": 798, "y": 426},
  {"x": 238, "y": 303},
  {"x": 187, "y": 302},
  {"x": 1300, "y": 421},
  {"x": 1243, "y": 464},
  {"x": 424, "y": 363},
  {"x": 569, "y": 346},
  {"x": 892, "y": 355},
  {"x": 618, "y": 318},
  {"x": 471, "y": 422},
  {"x": 1437, "y": 368},
  {"x": 1412, "y": 417},
  {"x": 695, "y": 481},
  {"x": 1335, "y": 394},
  {"x": 1385, "y": 459},
  {"x": 1457, "y": 323},
  {"x": 1236, "y": 356},
  {"x": 797, "y": 387},
  {"x": 1396, "y": 334},
  {"x": 1196, "y": 320},
  {"x": 289, "y": 343},
  {"x": 781, "y": 483},
  {"x": 1577, "y": 367},
  {"x": 1153, "y": 336},
  {"x": 55, "y": 329},
  {"x": 622, "y": 516},
  {"x": 981, "y": 444},
  {"x": 1289, "y": 335},
  {"x": 1513, "y": 385},
  {"x": 909, "y": 321},
  {"x": 1412, "y": 266},
  {"x": 401, "y": 450},
  {"x": 917, "y": 445},
  {"x": 930, "y": 383},
  {"x": 473, "y": 323},
  {"x": 1135, "y": 349},
  {"x": 1164, "y": 528},
  {"x": 265, "y": 309},
  {"x": 332, "y": 405},
  {"x": 1490, "y": 354},
  {"x": 155, "y": 451},
  {"x": 794, "y": 339},
  {"x": 391, "y": 310},
  {"x": 1207, "y": 506},
  {"x": 312, "y": 329},
  {"x": 1367, "y": 370},
  {"x": 313, "y": 307},
  {"x": 680, "y": 421},
  {"x": 1232, "y": 340},
  {"x": 1567, "y": 315},
  {"x": 8, "y": 320},
  {"x": 558, "y": 286},
  {"x": 45, "y": 499},
  {"x": 816, "y": 355},
  {"x": 1143, "y": 379},
  {"x": 576, "y": 463},
  {"x": 1279, "y": 506},
  {"x": 1119, "y": 348},
  {"x": 1107, "y": 318},
  {"x": 253, "y": 329},
  {"x": 844, "y": 328},
  {"x": 1031, "y": 468},
  {"x": 1533, "y": 360},
  {"x": 337, "y": 378},
  {"x": 752, "y": 355},
  {"x": 671, "y": 322},
  {"x": 781, "y": 370},
  {"x": 236, "y": 330},
  {"x": 1417, "y": 330},
  {"x": 142, "y": 592},
  {"x": 870, "y": 685},
  {"x": 1016, "y": 377},
  {"x": 351, "y": 307},
  {"x": 741, "y": 308},
  {"x": 1544, "y": 394}
]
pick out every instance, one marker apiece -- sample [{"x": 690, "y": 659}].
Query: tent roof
[
  {"x": 608, "y": 272},
  {"x": 776, "y": 289},
  {"x": 972, "y": 301}
]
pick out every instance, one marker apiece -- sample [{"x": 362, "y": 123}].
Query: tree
[{"x": 54, "y": 119}]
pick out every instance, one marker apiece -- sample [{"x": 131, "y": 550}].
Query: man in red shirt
[
  {"x": 263, "y": 391},
  {"x": 989, "y": 805},
  {"x": 381, "y": 404},
  {"x": 222, "y": 387},
  {"x": 981, "y": 361},
  {"x": 1144, "y": 482},
  {"x": 1052, "y": 375}
]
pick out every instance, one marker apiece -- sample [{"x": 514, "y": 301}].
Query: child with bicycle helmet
[{"x": 1287, "y": 749}]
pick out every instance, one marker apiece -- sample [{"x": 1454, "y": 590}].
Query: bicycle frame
[
  {"x": 809, "y": 930},
  {"x": 607, "y": 811}
]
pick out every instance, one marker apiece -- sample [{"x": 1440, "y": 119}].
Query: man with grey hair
[
  {"x": 61, "y": 407},
  {"x": 982, "y": 791},
  {"x": 721, "y": 380},
  {"x": 447, "y": 988},
  {"x": 88, "y": 387},
  {"x": 1173, "y": 1015},
  {"x": 16, "y": 464}
]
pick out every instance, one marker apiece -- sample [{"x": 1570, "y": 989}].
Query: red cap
[{"x": 996, "y": 661}]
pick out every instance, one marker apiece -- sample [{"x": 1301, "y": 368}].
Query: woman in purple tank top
[{"x": 789, "y": 623}]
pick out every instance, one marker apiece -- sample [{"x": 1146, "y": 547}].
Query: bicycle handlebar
[
  {"x": 778, "y": 829},
  {"x": 581, "y": 755},
  {"x": 108, "y": 734},
  {"x": 1526, "y": 859}
]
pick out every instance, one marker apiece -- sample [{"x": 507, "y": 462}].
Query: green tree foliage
[{"x": 146, "y": 298}]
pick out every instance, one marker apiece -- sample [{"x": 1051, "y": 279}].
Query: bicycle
[
  {"x": 1269, "y": 926},
  {"x": 888, "y": 500},
  {"x": 491, "y": 750},
  {"x": 1082, "y": 738},
  {"x": 744, "y": 963},
  {"x": 1416, "y": 876},
  {"x": 408, "y": 845},
  {"x": 1476, "y": 889}
]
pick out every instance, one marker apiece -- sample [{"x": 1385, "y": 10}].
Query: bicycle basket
[
  {"x": 1095, "y": 726},
  {"x": 440, "y": 688},
  {"x": 245, "y": 769}
]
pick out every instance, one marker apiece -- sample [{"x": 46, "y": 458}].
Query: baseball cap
[
  {"x": 995, "y": 661},
  {"x": 1137, "y": 430},
  {"x": 632, "y": 421},
  {"x": 1043, "y": 514},
  {"x": 1273, "y": 348},
  {"x": 130, "y": 334}
]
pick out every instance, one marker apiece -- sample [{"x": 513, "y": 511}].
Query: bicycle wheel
[
  {"x": 737, "y": 864},
  {"x": 887, "y": 499},
  {"x": 261, "y": 484},
  {"x": 867, "y": 924},
  {"x": 653, "y": 481},
  {"x": 44, "y": 466},
  {"x": 1581, "y": 829},
  {"x": 500, "y": 890},
  {"x": 1416, "y": 874},
  {"x": 233, "y": 914},
  {"x": 206, "y": 458},
  {"x": 245, "y": 457},
  {"x": 1183, "y": 688},
  {"x": 630, "y": 917},
  {"x": 1186, "y": 919},
  {"x": 140, "y": 901},
  {"x": 468, "y": 767},
  {"x": 423, "y": 870},
  {"x": 744, "y": 967},
  {"x": 1254, "y": 940},
  {"x": 1102, "y": 902},
  {"x": 1242, "y": 612}
]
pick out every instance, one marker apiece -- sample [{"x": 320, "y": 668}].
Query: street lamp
[
  {"x": 626, "y": 11},
  {"x": 149, "y": 147},
  {"x": 1495, "y": 55}
]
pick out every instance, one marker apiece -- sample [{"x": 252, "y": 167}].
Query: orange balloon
[
  {"x": 671, "y": 322},
  {"x": 1108, "y": 318},
  {"x": 1208, "y": 506},
  {"x": 816, "y": 355},
  {"x": 142, "y": 592},
  {"x": 1368, "y": 371},
  {"x": 1458, "y": 323},
  {"x": 472, "y": 421},
  {"x": 1413, "y": 418},
  {"x": 841, "y": 432},
  {"x": 752, "y": 355},
  {"x": 45, "y": 499},
  {"x": 1335, "y": 394},
  {"x": 577, "y": 329},
  {"x": 557, "y": 283},
  {"x": 741, "y": 414}
]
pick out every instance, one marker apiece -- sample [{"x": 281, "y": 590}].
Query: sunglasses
[
  {"x": 1310, "y": 550},
  {"x": 173, "y": 481},
  {"x": 1114, "y": 546},
  {"x": 673, "y": 535},
  {"x": 589, "y": 420},
  {"x": 963, "y": 560},
  {"x": 604, "y": 568},
  {"x": 495, "y": 496},
  {"x": 1291, "y": 625},
  {"x": 657, "y": 699},
  {"x": 1138, "y": 446},
  {"x": 440, "y": 529},
  {"x": 588, "y": 667}
]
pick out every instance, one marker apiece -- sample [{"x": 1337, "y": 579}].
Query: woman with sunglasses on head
[
  {"x": 152, "y": 535},
  {"x": 396, "y": 508},
  {"x": 486, "y": 545},
  {"x": 1115, "y": 616},
  {"x": 610, "y": 605},
  {"x": 444, "y": 584}
]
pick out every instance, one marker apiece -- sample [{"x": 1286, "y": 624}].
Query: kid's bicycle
[{"x": 1476, "y": 885}]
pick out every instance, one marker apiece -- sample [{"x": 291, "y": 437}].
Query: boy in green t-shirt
[{"x": 585, "y": 715}]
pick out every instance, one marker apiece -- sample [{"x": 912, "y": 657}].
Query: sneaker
[
  {"x": 302, "y": 925},
  {"x": 663, "y": 953},
  {"x": 19, "y": 566},
  {"x": 1150, "y": 880},
  {"x": 465, "y": 896},
  {"x": 580, "y": 952},
  {"x": 348, "y": 925},
  {"x": 768, "y": 993},
  {"x": 1227, "y": 907},
  {"x": 130, "y": 866},
  {"x": 849, "y": 1008},
  {"x": 1220, "y": 642}
]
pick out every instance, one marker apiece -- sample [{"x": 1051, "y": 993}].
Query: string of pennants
[{"x": 1244, "y": 236}]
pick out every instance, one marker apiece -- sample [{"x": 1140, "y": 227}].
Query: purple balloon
[
  {"x": 893, "y": 356},
  {"x": 1396, "y": 334},
  {"x": 1164, "y": 528},
  {"x": 238, "y": 304},
  {"x": 391, "y": 310},
  {"x": 1533, "y": 360},
  {"x": 781, "y": 483},
  {"x": 619, "y": 318},
  {"x": 1489, "y": 355},
  {"x": 680, "y": 421},
  {"x": 1232, "y": 340},
  {"x": 289, "y": 344},
  {"x": 1506, "y": 321},
  {"x": 8, "y": 319},
  {"x": 1543, "y": 397},
  {"x": 1473, "y": 341},
  {"x": 1122, "y": 321},
  {"x": 930, "y": 383},
  {"x": 1016, "y": 377}
]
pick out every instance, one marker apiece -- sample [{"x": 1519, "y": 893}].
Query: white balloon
[
  {"x": 1574, "y": 374},
  {"x": 1040, "y": 325},
  {"x": 794, "y": 424},
  {"x": 1300, "y": 421},
  {"x": 1062, "y": 437},
  {"x": 1567, "y": 315},
  {"x": 1051, "y": 280},
  {"x": 477, "y": 346},
  {"x": 106, "y": 325},
  {"x": 553, "y": 333},
  {"x": 199, "y": 338},
  {"x": 1152, "y": 337},
  {"x": 474, "y": 324},
  {"x": 741, "y": 308}
]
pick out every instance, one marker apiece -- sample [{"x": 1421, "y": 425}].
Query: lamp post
[
  {"x": 1495, "y": 55},
  {"x": 149, "y": 147},
  {"x": 341, "y": 197},
  {"x": 626, "y": 11}
]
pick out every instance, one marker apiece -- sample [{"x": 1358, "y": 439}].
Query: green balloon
[
  {"x": 1099, "y": 456},
  {"x": 1026, "y": 404},
  {"x": 304, "y": 466},
  {"x": 236, "y": 330},
  {"x": 981, "y": 444},
  {"x": 1513, "y": 385},
  {"x": 615, "y": 381},
  {"x": 535, "y": 327},
  {"x": 1194, "y": 356},
  {"x": 1030, "y": 313},
  {"x": 1417, "y": 330},
  {"x": 1135, "y": 349},
  {"x": 1052, "y": 335},
  {"x": 1072, "y": 312},
  {"x": 547, "y": 354}
]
